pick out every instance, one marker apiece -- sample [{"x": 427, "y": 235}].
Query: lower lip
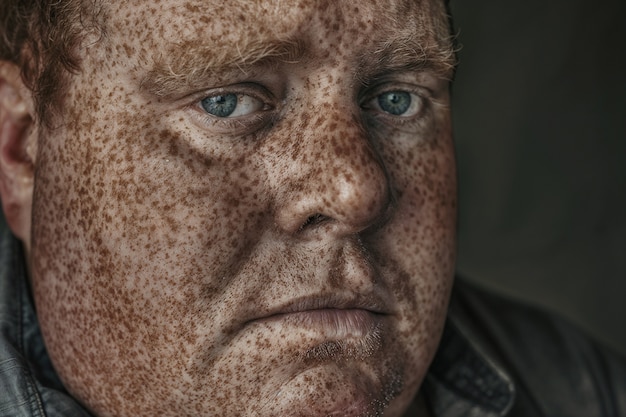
[{"x": 334, "y": 323}]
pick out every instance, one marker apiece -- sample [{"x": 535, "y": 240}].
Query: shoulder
[{"x": 554, "y": 368}]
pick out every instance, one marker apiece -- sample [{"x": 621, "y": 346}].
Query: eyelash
[
  {"x": 237, "y": 124},
  {"x": 381, "y": 115},
  {"x": 230, "y": 123}
]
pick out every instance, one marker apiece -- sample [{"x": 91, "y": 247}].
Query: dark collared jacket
[{"x": 496, "y": 358}]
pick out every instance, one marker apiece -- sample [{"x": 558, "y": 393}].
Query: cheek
[
  {"x": 418, "y": 246},
  {"x": 177, "y": 205},
  {"x": 133, "y": 227}
]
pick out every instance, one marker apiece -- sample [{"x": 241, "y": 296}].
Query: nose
[{"x": 335, "y": 180}]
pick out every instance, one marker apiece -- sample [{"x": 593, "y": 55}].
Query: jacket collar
[
  {"x": 463, "y": 380},
  {"x": 30, "y": 387}
]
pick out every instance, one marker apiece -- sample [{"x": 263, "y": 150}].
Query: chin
[{"x": 349, "y": 389}]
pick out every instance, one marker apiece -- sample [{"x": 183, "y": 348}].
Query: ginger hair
[{"x": 42, "y": 38}]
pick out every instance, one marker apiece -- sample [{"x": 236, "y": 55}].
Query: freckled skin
[{"x": 158, "y": 235}]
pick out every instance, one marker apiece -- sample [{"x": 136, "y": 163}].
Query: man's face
[{"x": 249, "y": 209}]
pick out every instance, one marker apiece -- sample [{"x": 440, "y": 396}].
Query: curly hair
[{"x": 41, "y": 37}]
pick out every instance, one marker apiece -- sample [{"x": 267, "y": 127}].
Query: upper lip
[
  {"x": 358, "y": 286},
  {"x": 372, "y": 303}
]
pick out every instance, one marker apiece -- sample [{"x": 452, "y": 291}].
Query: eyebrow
[
  {"x": 410, "y": 54},
  {"x": 190, "y": 64}
]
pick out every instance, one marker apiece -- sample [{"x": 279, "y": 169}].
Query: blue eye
[
  {"x": 395, "y": 102},
  {"x": 231, "y": 105},
  {"x": 220, "y": 106}
]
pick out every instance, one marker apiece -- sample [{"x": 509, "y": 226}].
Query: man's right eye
[{"x": 231, "y": 105}]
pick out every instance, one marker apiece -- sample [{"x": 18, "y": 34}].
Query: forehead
[
  {"x": 156, "y": 28},
  {"x": 265, "y": 17}
]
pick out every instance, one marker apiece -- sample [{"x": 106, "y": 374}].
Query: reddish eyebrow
[
  {"x": 410, "y": 54},
  {"x": 189, "y": 65},
  {"x": 194, "y": 65}
]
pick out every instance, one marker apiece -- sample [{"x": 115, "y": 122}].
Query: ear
[{"x": 17, "y": 151}]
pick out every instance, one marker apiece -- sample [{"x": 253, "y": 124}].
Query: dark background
[{"x": 539, "y": 106}]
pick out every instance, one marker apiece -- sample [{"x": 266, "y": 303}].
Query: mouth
[
  {"x": 335, "y": 323},
  {"x": 331, "y": 302},
  {"x": 331, "y": 317}
]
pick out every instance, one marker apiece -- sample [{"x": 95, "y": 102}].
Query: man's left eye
[
  {"x": 397, "y": 103},
  {"x": 231, "y": 105}
]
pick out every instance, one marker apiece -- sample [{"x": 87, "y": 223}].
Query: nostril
[{"x": 313, "y": 220}]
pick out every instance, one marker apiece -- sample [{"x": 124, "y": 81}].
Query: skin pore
[{"x": 248, "y": 209}]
